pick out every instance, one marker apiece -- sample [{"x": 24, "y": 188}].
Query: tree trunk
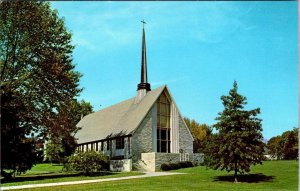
[{"x": 235, "y": 172}]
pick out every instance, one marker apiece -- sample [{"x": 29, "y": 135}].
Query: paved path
[{"x": 147, "y": 174}]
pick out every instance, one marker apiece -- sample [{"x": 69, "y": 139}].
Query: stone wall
[
  {"x": 124, "y": 165},
  {"x": 151, "y": 162},
  {"x": 185, "y": 138},
  {"x": 161, "y": 158},
  {"x": 197, "y": 158},
  {"x": 141, "y": 141}
]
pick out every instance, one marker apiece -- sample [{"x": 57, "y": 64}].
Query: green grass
[
  {"x": 271, "y": 176},
  {"x": 44, "y": 168},
  {"x": 49, "y": 173}
]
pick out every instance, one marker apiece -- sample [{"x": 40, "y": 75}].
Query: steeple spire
[{"x": 144, "y": 79}]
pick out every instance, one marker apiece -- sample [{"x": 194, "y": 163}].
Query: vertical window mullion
[
  {"x": 129, "y": 146},
  {"x": 167, "y": 138}
]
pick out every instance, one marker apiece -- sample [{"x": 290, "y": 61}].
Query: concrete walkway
[{"x": 147, "y": 174}]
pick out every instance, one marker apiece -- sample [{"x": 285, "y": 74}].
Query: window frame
[
  {"x": 163, "y": 145},
  {"x": 108, "y": 145},
  {"x": 102, "y": 145},
  {"x": 120, "y": 143}
]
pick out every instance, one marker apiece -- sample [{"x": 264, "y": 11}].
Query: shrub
[
  {"x": 186, "y": 164},
  {"x": 165, "y": 167},
  {"x": 174, "y": 166},
  {"x": 87, "y": 162}
]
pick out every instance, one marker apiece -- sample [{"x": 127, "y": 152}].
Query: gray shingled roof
[{"x": 119, "y": 119}]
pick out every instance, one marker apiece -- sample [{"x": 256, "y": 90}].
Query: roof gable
[{"x": 171, "y": 97}]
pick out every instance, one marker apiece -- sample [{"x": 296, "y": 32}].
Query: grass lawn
[
  {"x": 49, "y": 173},
  {"x": 44, "y": 168},
  {"x": 272, "y": 175}
]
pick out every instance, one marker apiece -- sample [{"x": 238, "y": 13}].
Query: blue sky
[{"x": 197, "y": 48}]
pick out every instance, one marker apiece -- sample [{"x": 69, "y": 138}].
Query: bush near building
[
  {"x": 174, "y": 166},
  {"x": 88, "y": 162}
]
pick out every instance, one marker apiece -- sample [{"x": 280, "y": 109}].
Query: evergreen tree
[{"x": 238, "y": 143}]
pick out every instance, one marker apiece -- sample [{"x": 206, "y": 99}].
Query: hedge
[{"x": 174, "y": 166}]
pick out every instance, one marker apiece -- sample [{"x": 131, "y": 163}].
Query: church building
[{"x": 140, "y": 133}]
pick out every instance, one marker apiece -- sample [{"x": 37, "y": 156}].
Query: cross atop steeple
[{"x": 143, "y": 23}]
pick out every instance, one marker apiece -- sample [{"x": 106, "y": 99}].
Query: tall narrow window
[
  {"x": 120, "y": 143},
  {"x": 108, "y": 145},
  {"x": 97, "y": 146},
  {"x": 129, "y": 146},
  {"x": 163, "y": 124}
]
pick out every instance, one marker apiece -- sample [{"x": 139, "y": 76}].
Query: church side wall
[
  {"x": 185, "y": 138},
  {"x": 142, "y": 138}
]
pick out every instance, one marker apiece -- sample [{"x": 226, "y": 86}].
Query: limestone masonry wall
[
  {"x": 142, "y": 138},
  {"x": 197, "y": 158},
  {"x": 152, "y": 161},
  {"x": 185, "y": 138},
  {"x": 124, "y": 165},
  {"x": 161, "y": 158}
]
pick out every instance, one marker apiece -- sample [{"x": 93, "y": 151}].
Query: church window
[
  {"x": 120, "y": 143},
  {"x": 102, "y": 143},
  {"x": 128, "y": 143},
  {"x": 97, "y": 146},
  {"x": 163, "y": 124},
  {"x": 108, "y": 145}
]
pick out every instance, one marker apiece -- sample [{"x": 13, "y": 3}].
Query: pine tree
[{"x": 238, "y": 143}]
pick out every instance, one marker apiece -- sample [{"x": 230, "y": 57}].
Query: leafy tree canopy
[
  {"x": 284, "y": 146},
  {"x": 36, "y": 60},
  {"x": 37, "y": 76},
  {"x": 61, "y": 141}
]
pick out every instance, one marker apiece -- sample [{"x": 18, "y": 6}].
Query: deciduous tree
[
  {"x": 61, "y": 142},
  {"x": 275, "y": 147},
  {"x": 36, "y": 71},
  {"x": 284, "y": 146},
  {"x": 290, "y": 144}
]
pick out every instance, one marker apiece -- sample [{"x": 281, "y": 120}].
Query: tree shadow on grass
[
  {"x": 249, "y": 178},
  {"x": 50, "y": 176}
]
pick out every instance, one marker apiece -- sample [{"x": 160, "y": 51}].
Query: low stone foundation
[
  {"x": 197, "y": 158},
  {"x": 152, "y": 161},
  {"x": 124, "y": 165}
]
